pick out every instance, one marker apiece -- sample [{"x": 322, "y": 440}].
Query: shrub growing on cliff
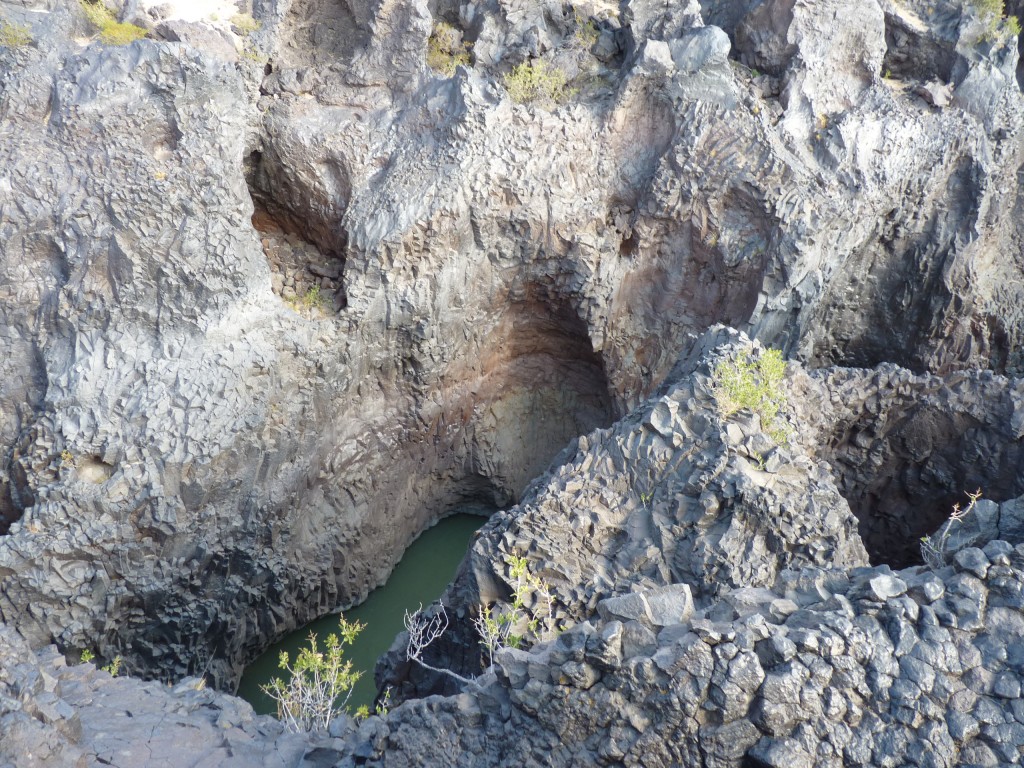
[
  {"x": 532, "y": 612},
  {"x": 112, "y": 669},
  {"x": 754, "y": 384},
  {"x": 112, "y": 32},
  {"x": 531, "y": 615},
  {"x": 991, "y": 12},
  {"x": 244, "y": 24},
  {"x": 537, "y": 81},
  {"x": 14, "y": 35},
  {"x": 319, "y": 683},
  {"x": 446, "y": 50},
  {"x": 934, "y": 548}
]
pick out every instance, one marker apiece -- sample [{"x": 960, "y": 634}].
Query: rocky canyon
[{"x": 285, "y": 282}]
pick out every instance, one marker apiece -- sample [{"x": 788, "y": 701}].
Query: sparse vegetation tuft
[
  {"x": 112, "y": 669},
  {"x": 529, "y": 619},
  {"x": 111, "y": 31},
  {"x": 314, "y": 299},
  {"x": 991, "y": 13},
  {"x": 537, "y": 81},
  {"x": 754, "y": 384},
  {"x": 14, "y": 35},
  {"x": 532, "y": 612},
  {"x": 935, "y": 548},
  {"x": 446, "y": 50},
  {"x": 244, "y": 24},
  {"x": 586, "y": 33}
]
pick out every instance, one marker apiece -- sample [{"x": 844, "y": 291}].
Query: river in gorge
[{"x": 422, "y": 575}]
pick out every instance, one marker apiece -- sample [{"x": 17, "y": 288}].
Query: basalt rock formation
[
  {"x": 277, "y": 296},
  {"x": 728, "y": 616}
]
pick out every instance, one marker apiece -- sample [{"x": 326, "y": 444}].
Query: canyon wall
[{"x": 277, "y": 296}]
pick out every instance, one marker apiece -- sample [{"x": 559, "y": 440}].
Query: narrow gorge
[{"x": 286, "y": 282}]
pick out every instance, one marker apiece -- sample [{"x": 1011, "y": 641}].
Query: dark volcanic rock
[{"x": 277, "y": 296}]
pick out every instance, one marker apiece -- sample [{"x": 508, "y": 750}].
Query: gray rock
[
  {"x": 191, "y": 466},
  {"x": 973, "y": 560},
  {"x": 784, "y": 753},
  {"x": 669, "y": 605},
  {"x": 885, "y": 587},
  {"x": 935, "y": 93}
]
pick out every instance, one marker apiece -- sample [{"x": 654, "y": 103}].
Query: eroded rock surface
[{"x": 276, "y": 296}]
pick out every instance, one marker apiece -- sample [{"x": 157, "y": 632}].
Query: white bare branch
[{"x": 422, "y": 632}]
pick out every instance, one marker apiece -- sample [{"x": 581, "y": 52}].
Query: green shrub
[
  {"x": 754, "y": 384},
  {"x": 244, "y": 24},
  {"x": 14, "y": 35},
  {"x": 532, "y": 613},
  {"x": 111, "y": 31},
  {"x": 314, "y": 299},
  {"x": 445, "y": 49},
  {"x": 537, "y": 81},
  {"x": 586, "y": 33},
  {"x": 532, "y": 608},
  {"x": 319, "y": 684},
  {"x": 113, "y": 667},
  {"x": 991, "y": 12}
]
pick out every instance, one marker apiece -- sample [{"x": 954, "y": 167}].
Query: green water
[{"x": 422, "y": 575}]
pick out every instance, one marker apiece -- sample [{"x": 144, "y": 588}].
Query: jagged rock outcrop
[
  {"x": 278, "y": 296},
  {"x": 52, "y": 714},
  {"x": 867, "y": 667},
  {"x": 677, "y": 494}
]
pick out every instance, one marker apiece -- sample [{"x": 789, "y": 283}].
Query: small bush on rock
[
  {"x": 111, "y": 31},
  {"x": 531, "y": 613},
  {"x": 112, "y": 669},
  {"x": 991, "y": 12},
  {"x": 537, "y": 81},
  {"x": 319, "y": 683},
  {"x": 532, "y": 607},
  {"x": 754, "y": 384},
  {"x": 446, "y": 50},
  {"x": 14, "y": 35},
  {"x": 244, "y": 24},
  {"x": 586, "y": 33},
  {"x": 934, "y": 548}
]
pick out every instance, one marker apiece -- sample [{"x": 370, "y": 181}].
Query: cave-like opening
[{"x": 903, "y": 457}]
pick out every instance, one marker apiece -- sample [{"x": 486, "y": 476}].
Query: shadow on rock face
[{"x": 906, "y": 448}]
